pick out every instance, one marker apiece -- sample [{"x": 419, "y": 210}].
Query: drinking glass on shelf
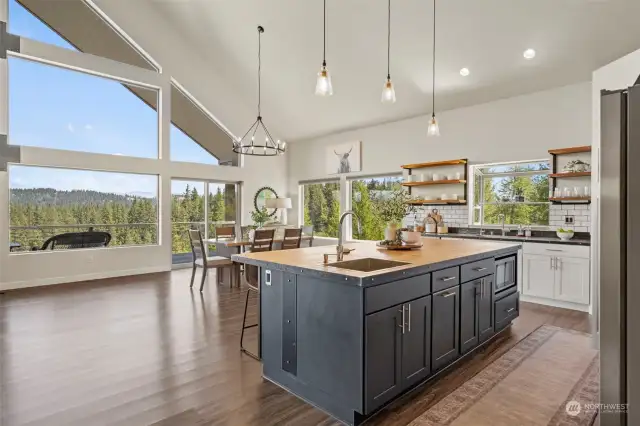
[
  {"x": 557, "y": 193},
  {"x": 566, "y": 192},
  {"x": 587, "y": 191},
  {"x": 577, "y": 192}
]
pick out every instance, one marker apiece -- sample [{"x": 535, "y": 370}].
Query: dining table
[{"x": 227, "y": 247}]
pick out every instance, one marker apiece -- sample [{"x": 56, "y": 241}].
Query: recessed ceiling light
[
  {"x": 464, "y": 72},
  {"x": 529, "y": 54}
]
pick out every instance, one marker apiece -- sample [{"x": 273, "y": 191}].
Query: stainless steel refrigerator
[{"x": 619, "y": 296}]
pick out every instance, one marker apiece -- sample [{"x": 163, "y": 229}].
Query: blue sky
[{"x": 53, "y": 107}]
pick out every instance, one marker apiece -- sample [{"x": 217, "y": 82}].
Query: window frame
[
  {"x": 92, "y": 73},
  {"x": 301, "y": 204},
  {"x": 157, "y": 223},
  {"x": 207, "y": 222},
  {"x": 349, "y": 194},
  {"x": 475, "y": 174}
]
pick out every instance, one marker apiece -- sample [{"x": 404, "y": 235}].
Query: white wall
[
  {"x": 619, "y": 74},
  {"x": 519, "y": 128}
]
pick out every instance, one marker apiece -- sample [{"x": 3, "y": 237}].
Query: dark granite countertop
[{"x": 543, "y": 237}]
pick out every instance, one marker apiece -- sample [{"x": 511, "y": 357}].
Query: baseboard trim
[
  {"x": 85, "y": 277},
  {"x": 554, "y": 303}
]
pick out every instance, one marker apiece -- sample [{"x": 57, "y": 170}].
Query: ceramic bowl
[
  {"x": 411, "y": 237},
  {"x": 565, "y": 236}
]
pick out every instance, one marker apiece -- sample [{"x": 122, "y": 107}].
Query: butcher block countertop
[{"x": 434, "y": 254}]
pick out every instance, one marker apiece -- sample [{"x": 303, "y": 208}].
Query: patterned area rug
[{"x": 551, "y": 377}]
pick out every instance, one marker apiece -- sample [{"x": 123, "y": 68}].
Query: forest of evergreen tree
[{"x": 39, "y": 213}]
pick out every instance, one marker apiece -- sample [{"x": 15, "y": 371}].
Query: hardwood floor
[{"x": 148, "y": 351}]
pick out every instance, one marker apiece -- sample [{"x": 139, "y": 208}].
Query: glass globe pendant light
[
  {"x": 323, "y": 83},
  {"x": 433, "y": 129},
  {"x": 388, "y": 91}
]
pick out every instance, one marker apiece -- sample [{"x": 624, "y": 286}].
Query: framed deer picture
[{"x": 343, "y": 158}]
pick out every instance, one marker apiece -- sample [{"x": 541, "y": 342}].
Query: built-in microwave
[{"x": 506, "y": 270}]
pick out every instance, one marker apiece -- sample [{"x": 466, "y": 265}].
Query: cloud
[
  {"x": 88, "y": 127},
  {"x": 117, "y": 153},
  {"x": 70, "y": 128}
]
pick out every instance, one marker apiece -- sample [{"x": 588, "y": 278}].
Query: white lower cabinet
[
  {"x": 572, "y": 280},
  {"x": 556, "y": 273},
  {"x": 538, "y": 276}
]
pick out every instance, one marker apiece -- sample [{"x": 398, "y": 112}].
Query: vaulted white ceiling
[{"x": 572, "y": 38}]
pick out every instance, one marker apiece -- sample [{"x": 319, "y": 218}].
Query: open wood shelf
[
  {"x": 569, "y": 199},
  {"x": 435, "y": 182},
  {"x": 569, "y": 174},
  {"x": 423, "y": 202},
  {"x": 434, "y": 164},
  {"x": 573, "y": 150}
]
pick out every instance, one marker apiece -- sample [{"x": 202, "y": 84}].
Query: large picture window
[
  {"x": 321, "y": 207},
  {"x": 77, "y": 111},
  {"x": 519, "y": 191},
  {"x": 368, "y": 199},
  {"x": 49, "y": 201}
]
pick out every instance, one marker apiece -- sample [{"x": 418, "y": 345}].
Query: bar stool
[
  {"x": 262, "y": 241},
  {"x": 308, "y": 231}
]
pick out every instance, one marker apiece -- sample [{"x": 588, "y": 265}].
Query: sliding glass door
[{"x": 202, "y": 205}]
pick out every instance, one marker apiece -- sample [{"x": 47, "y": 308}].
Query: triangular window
[{"x": 73, "y": 24}]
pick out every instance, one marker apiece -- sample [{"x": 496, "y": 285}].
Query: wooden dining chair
[
  {"x": 307, "y": 230},
  {"x": 262, "y": 241},
  {"x": 201, "y": 260},
  {"x": 292, "y": 238},
  {"x": 225, "y": 232}
]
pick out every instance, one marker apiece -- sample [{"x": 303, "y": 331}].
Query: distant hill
[{"x": 49, "y": 196}]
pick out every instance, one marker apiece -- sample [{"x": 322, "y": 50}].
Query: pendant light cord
[
  {"x": 324, "y": 35},
  {"x": 389, "y": 42},
  {"x": 433, "y": 82},
  {"x": 260, "y": 31}
]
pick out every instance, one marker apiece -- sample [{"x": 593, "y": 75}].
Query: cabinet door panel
[
  {"x": 572, "y": 280},
  {"x": 416, "y": 341},
  {"x": 445, "y": 331},
  {"x": 486, "y": 314},
  {"x": 469, "y": 294},
  {"x": 383, "y": 377},
  {"x": 539, "y": 276}
]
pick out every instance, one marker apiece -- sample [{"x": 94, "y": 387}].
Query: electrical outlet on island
[{"x": 568, "y": 220}]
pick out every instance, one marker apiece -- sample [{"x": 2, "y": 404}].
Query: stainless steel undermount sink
[{"x": 367, "y": 264}]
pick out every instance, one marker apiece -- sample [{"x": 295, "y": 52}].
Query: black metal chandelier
[{"x": 247, "y": 144}]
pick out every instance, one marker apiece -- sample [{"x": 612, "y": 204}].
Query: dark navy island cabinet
[{"x": 351, "y": 349}]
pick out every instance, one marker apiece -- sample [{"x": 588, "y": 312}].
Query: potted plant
[
  {"x": 394, "y": 210},
  {"x": 260, "y": 217}
]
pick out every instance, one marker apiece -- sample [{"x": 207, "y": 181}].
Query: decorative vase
[{"x": 390, "y": 232}]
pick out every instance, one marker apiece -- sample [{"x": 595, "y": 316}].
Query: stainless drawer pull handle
[
  {"x": 554, "y": 250},
  {"x": 448, "y": 278},
  {"x": 479, "y": 269},
  {"x": 511, "y": 310},
  {"x": 448, "y": 294}
]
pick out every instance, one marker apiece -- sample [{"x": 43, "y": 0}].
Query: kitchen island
[{"x": 349, "y": 337}]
